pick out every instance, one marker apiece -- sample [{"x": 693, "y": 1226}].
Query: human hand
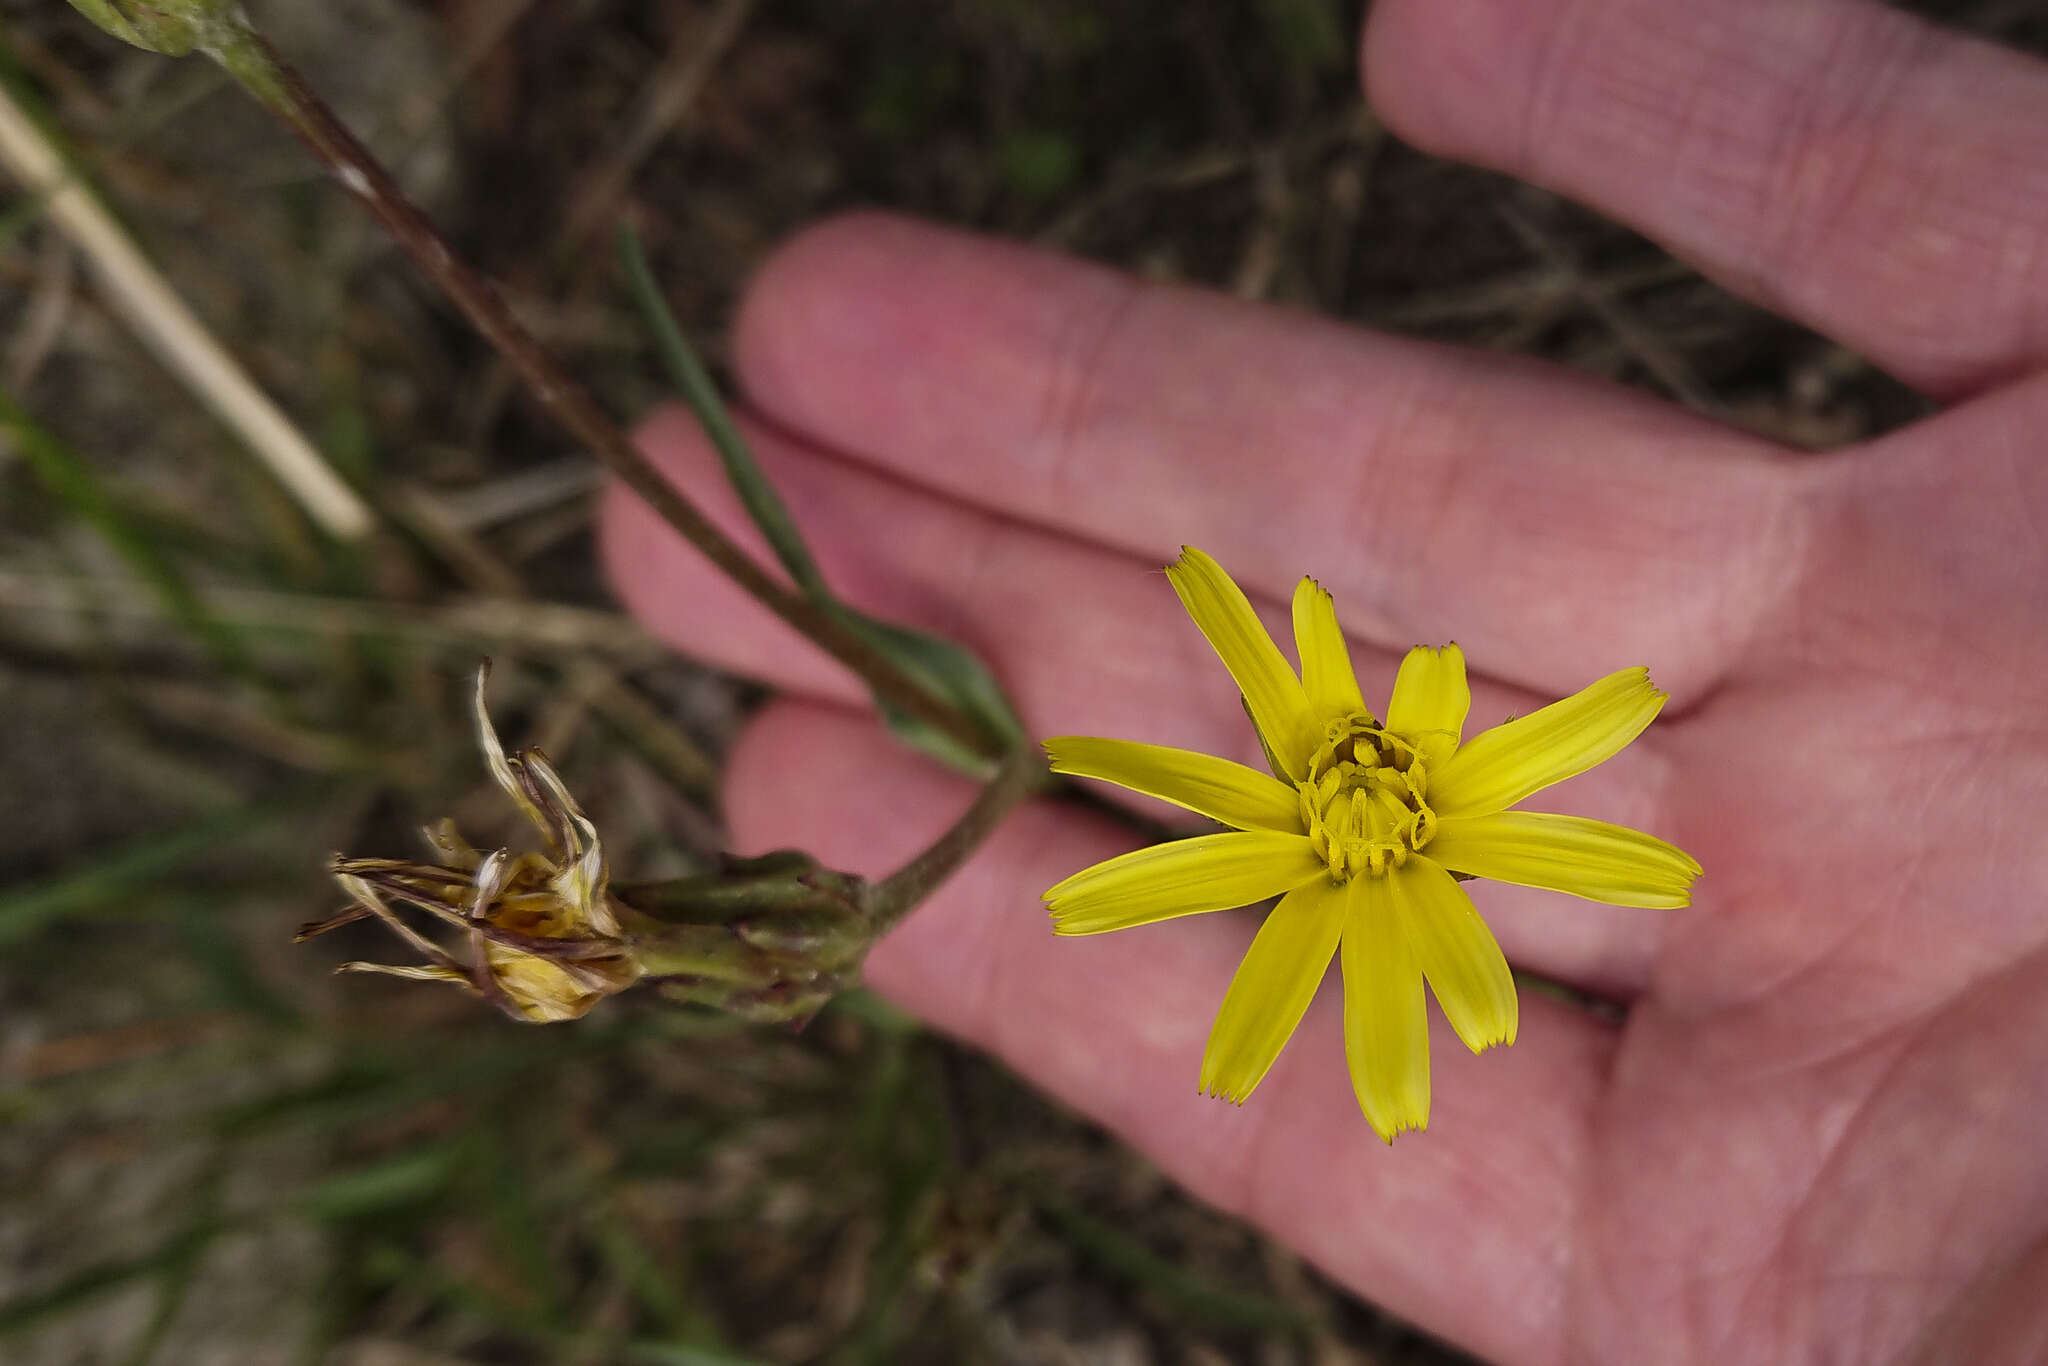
[{"x": 1818, "y": 1132}]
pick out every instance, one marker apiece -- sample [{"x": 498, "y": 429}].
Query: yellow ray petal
[
  {"x": 1457, "y": 953},
  {"x": 1217, "y": 788},
  {"x": 1386, "y": 1031},
  {"x": 1430, "y": 701},
  {"x": 1182, "y": 877},
  {"x": 1326, "y": 675},
  {"x": 1272, "y": 693},
  {"x": 1498, "y": 768},
  {"x": 1273, "y": 987},
  {"x": 1592, "y": 859}
]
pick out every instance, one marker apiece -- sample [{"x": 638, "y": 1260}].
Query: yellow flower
[{"x": 1359, "y": 830}]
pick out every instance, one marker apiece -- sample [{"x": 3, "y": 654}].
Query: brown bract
[{"x": 545, "y": 942}]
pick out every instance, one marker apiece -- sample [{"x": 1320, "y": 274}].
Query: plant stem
[
  {"x": 259, "y": 70},
  {"x": 1022, "y": 775}
]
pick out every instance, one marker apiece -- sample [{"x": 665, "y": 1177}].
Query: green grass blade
[
  {"x": 236, "y": 984},
  {"x": 676, "y": 1354},
  {"x": 395, "y": 1183},
  {"x": 104, "y": 1279},
  {"x": 128, "y": 872},
  {"x": 946, "y": 670},
  {"x": 180, "y": 1270},
  {"x": 1114, "y": 1251},
  {"x": 71, "y": 481},
  {"x": 762, "y": 502}
]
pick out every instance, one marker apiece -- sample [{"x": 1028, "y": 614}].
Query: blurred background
[{"x": 211, "y": 1150}]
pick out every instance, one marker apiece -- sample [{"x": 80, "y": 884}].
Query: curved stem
[
  {"x": 1023, "y": 774},
  {"x": 259, "y": 70}
]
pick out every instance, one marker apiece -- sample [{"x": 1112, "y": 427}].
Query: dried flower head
[{"x": 545, "y": 940}]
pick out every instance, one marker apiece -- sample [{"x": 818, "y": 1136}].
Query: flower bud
[{"x": 769, "y": 939}]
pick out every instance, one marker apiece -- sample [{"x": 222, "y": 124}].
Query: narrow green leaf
[
  {"x": 409, "y": 1179},
  {"x": 678, "y": 1354},
  {"x": 762, "y": 502},
  {"x": 123, "y": 873},
  {"x": 1120, "y": 1255},
  {"x": 874, "y": 1012},
  {"x": 430, "y": 1280},
  {"x": 950, "y": 672},
  {"x": 659, "y": 1288},
  {"x": 236, "y": 985},
  {"x": 944, "y": 669},
  {"x": 72, "y": 482},
  {"x": 95, "y": 1281},
  {"x": 174, "y": 1281}
]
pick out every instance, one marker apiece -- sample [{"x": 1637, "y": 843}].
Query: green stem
[
  {"x": 244, "y": 54},
  {"x": 1022, "y": 775}
]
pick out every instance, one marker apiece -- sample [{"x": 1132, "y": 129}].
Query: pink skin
[{"x": 1820, "y": 1134}]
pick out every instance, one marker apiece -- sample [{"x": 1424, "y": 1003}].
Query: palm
[
  {"x": 1818, "y": 1124},
  {"x": 1816, "y": 1134}
]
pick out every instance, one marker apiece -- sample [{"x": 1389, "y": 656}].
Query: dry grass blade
[
  {"x": 508, "y": 622},
  {"x": 163, "y": 322},
  {"x": 666, "y": 98}
]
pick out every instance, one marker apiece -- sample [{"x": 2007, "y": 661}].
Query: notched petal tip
[
  {"x": 1502, "y": 1039},
  {"x": 1327, "y": 678},
  {"x": 1272, "y": 689},
  {"x": 1519, "y": 757},
  {"x": 1431, "y": 700}
]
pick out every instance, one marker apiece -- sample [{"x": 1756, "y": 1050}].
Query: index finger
[{"x": 1535, "y": 516}]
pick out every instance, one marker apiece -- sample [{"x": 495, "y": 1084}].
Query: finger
[
  {"x": 1536, "y": 517},
  {"x": 1836, "y": 160},
  {"x": 1115, "y": 1025},
  {"x": 1087, "y": 640}
]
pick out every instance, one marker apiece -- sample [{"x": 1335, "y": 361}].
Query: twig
[
  {"x": 160, "y": 318},
  {"x": 43, "y": 320},
  {"x": 267, "y": 77},
  {"x": 669, "y": 93},
  {"x": 593, "y": 682},
  {"x": 1656, "y": 355},
  {"x": 503, "y": 622}
]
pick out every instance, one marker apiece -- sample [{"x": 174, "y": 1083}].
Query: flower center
[{"x": 1363, "y": 803}]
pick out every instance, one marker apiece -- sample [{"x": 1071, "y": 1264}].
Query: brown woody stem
[{"x": 266, "y": 76}]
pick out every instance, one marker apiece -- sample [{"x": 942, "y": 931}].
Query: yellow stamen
[{"x": 1363, "y": 803}]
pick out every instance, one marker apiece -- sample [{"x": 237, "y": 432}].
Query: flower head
[
  {"x": 1363, "y": 829},
  {"x": 546, "y": 941}
]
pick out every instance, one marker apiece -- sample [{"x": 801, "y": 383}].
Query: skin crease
[{"x": 1818, "y": 1134}]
